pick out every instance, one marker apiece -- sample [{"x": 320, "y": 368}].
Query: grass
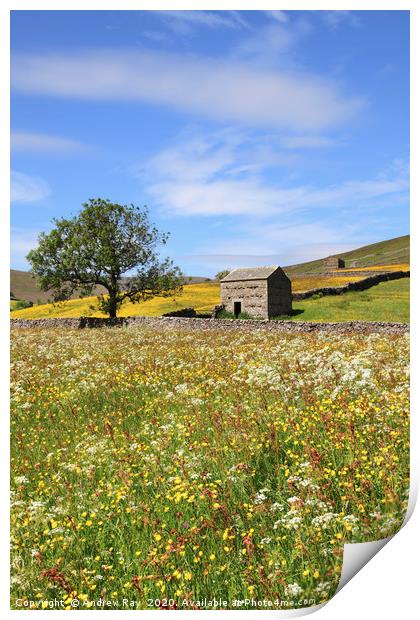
[
  {"x": 198, "y": 465},
  {"x": 387, "y": 301},
  {"x": 391, "y": 251}
]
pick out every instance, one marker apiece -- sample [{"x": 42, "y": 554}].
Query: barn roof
[{"x": 250, "y": 273}]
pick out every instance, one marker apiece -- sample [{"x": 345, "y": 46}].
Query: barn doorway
[{"x": 237, "y": 308}]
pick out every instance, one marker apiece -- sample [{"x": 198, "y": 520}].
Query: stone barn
[
  {"x": 332, "y": 263},
  {"x": 260, "y": 292}
]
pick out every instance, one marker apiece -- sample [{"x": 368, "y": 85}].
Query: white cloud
[
  {"x": 26, "y": 188},
  {"x": 279, "y": 16},
  {"x": 305, "y": 142},
  {"x": 276, "y": 50},
  {"x": 288, "y": 240},
  {"x": 334, "y": 19},
  {"x": 27, "y": 141},
  {"x": 21, "y": 242},
  {"x": 186, "y": 21},
  {"x": 221, "y": 89},
  {"x": 211, "y": 176}
]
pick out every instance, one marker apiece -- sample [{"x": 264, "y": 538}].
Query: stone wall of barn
[
  {"x": 251, "y": 293},
  {"x": 279, "y": 296}
]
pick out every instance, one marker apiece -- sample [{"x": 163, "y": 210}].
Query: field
[
  {"x": 201, "y": 296},
  {"x": 310, "y": 282},
  {"x": 205, "y": 464},
  {"x": 396, "y": 267},
  {"x": 388, "y": 301}
]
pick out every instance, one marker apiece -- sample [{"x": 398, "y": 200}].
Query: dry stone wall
[
  {"x": 361, "y": 285},
  {"x": 197, "y": 324}
]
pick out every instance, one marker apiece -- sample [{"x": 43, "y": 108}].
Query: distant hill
[
  {"x": 23, "y": 286},
  {"x": 390, "y": 252}
]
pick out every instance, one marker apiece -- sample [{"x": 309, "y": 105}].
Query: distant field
[
  {"x": 318, "y": 281},
  {"x": 388, "y": 301},
  {"x": 395, "y": 267},
  {"x": 202, "y": 297}
]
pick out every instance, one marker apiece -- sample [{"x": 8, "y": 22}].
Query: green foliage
[
  {"x": 222, "y": 274},
  {"x": 20, "y": 304},
  {"x": 225, "y": 314},
  {"x": 245, "y": 315},
  {"x": 97, "y": 247}
]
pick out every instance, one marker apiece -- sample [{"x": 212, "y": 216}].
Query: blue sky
[{"x": 255, "y": 137}]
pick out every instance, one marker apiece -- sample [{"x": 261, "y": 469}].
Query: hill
[
  {"x": 23, "y": 286},
  {"x": 389, "y": 252}
]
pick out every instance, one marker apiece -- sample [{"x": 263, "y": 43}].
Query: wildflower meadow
[{"x": 167, "y": 469}]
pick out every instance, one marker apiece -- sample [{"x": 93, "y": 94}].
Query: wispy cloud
[
  {"x": 307, "y": 142},
  {"x": 22, "y": 240},
  {"x": 26, "y": 188},
  {"x": 27, "y": 141},
  {"x": 334, "y": 19},
  {"x": 184, "y": 22},
  {"x": 278, "y": 16},
  {"x": 274, "y": 242},
  {"x": 212, "y": 176},
  {"x": 221, "y": 89}
]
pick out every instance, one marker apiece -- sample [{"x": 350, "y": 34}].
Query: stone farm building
[
  {"x": 332, "y": 263},
  {"x": 260, "y": 292}
]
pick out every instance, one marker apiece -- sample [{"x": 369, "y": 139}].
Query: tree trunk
[{"x": 112, "y": 304}]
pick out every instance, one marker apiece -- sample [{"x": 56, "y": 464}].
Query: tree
[
  {"x": 97, "y": 247},
  {"x": 222, "y": 274}
]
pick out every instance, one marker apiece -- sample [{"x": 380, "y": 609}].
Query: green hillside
[{"x": 390, "y": 252}]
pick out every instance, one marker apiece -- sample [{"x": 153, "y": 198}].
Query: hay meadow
[{"x": 167, "y": 469}]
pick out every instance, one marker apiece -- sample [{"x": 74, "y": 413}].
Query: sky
[{"x": 254, "y": 137}]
